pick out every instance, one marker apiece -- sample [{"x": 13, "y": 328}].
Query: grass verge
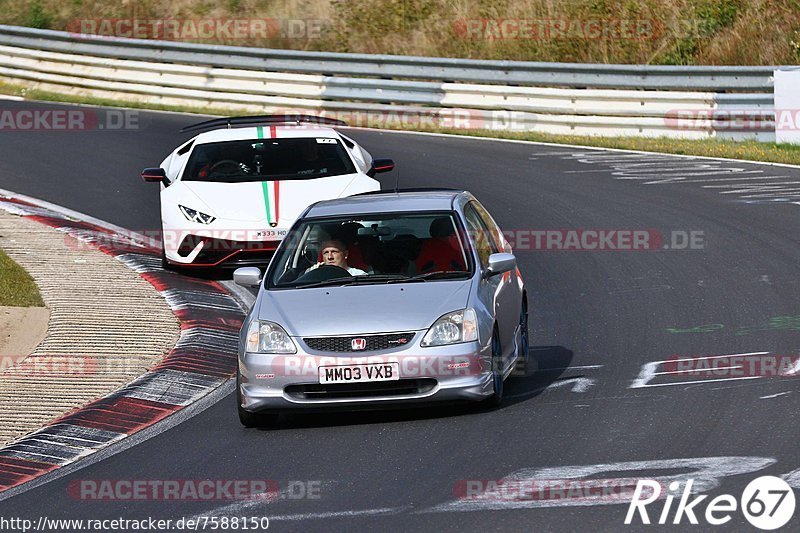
[
  {"x": 745, "y": 150},
  {"x": 17, "y": 288}
]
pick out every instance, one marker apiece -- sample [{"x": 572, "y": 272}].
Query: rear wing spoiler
[{"x": 255, "y": 120}]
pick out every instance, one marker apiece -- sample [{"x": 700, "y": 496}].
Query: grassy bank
[
  {"x": 17, "y": 288},
  {"x": 685, "y": 32},
  {"x": 747, "y": 150}
]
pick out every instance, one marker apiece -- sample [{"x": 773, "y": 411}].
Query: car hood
[
  {"x": 362, "y": 309},
  {"x": 271, "y": 201}
]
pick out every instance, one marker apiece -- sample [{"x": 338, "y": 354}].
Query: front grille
[
  {"x": 373, "y": 342},
  {"x": 401, "y": 387}
]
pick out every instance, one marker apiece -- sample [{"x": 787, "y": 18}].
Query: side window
[
  {"x": 479, "y": 234},
  {"x": 496, "y": 234}
]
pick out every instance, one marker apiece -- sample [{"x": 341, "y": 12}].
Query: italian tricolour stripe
[{"x": 271, "y": 189}]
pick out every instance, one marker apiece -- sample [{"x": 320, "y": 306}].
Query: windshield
[
  {"x": 385, "y": 248},
  {"x": 268, "y": 159}
]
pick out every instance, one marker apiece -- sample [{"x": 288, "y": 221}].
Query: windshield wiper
[
  {"x": 434, "y": 275},
  {"x": 327, "y": 282},
  {"x": 354, "y": 280},
  {"x": 376, "y": 278},
  {"x": 381, "y": 278}
]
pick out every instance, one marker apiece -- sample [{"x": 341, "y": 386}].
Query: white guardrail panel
[
  {"x": 646, "y": 101},
  {"x": 787, "y": 99}
]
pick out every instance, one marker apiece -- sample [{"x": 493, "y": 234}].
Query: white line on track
[
  {"x": 748, "y": 178},
  {"x": 548, "y": 369},
  {"x": 711, "y": 357},
  {"x": 578, "y": 385},
  {"x": 336, "y": 514},
  {"x": 696, "y": 382},
  {"x": 649, "y": 372},
  {"x": 250, "y": 506},
  {"x": 774, "y": 395},
  {"x": 240, "y": 507},
  {"x": 684, "y": 371}
]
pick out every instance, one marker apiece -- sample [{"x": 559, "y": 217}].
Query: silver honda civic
[{"x": 383, "y": 299}]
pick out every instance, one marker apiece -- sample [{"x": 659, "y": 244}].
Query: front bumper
[
  {"x": 459, "y": 372},
  {"x": 202, "y": 250}
]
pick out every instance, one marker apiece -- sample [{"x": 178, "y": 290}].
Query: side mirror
[
  {"x": 247, "y": 276},
  {"x": 154, "y": 175},
  {"x": 500, "y": 263},
  {"x": 379, "y": 166}
]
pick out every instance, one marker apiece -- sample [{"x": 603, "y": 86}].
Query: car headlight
[
  {"x": 452, "y": 328},
  {"x": 268, "y": 337},
  {"x": 196, "y": 216}
]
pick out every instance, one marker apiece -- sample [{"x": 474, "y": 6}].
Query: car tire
[
  {"x": 165, "y": 265},
  {"x": 249, "y": 419},
  {"x": 496, "y": 399},
  {"x": 523, "y": 366}
]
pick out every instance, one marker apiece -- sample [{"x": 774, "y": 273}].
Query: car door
[{"x": 498, "y": 293}]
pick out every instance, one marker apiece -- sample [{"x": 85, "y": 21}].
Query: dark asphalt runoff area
[{"x": 605, "y": 326}]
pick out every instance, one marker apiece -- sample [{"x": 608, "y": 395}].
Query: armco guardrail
[{"x": 694, "y": 102}]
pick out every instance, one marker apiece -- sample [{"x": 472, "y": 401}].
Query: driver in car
[
  {"x": 334, "y": 253},
  {"x": 310, "y": 159}
]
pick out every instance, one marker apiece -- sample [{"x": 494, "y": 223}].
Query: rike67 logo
[{"x": 767, "y": 502}]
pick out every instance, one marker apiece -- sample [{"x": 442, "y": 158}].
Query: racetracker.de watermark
[
  {"x": 446, "y": 118},
  {"x": 388, "y": 366},
  {"x": 590, "y": 29},
  {"x": 69, "y": 120},
  {"x": 732, "y": 366},
  {"x": 594, "y": 240},
  {"x": 67, "y": 365},
  {"x": 425, "y": 119},
  {"x": 207, "y": 29},
  {"x": 521, "y": 240},
  {"x": 193, "y": 489},
  {"x": 747, "y": 120},
  {"x": 554, "y": 28},
  {"x": 574, "y": 490}
]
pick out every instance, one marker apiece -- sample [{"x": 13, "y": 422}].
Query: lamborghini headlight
[{"x": 196, "y": 216}]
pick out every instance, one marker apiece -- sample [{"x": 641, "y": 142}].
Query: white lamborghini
[{"x": 229, "y": 195}]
